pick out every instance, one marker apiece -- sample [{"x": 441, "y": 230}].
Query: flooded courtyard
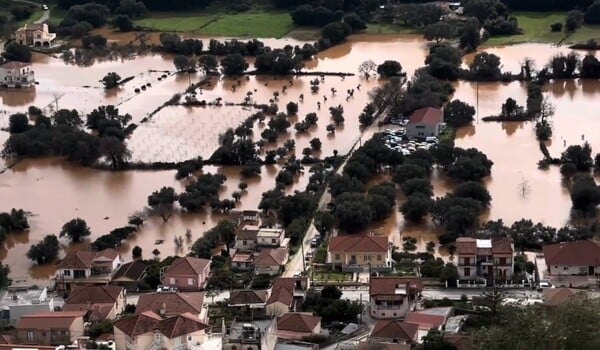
[{"x": 55, "y": 191}]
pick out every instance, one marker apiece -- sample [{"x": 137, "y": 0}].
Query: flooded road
[{"x": 56, "y": 192}]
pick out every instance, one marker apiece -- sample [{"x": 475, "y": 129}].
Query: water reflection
[{"x": 56, "y": 191}]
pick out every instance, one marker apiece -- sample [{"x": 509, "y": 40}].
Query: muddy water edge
[{"x": 55, "y": 191}]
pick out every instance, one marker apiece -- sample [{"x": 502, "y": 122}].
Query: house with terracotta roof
[
  {"x": 429, "y": 319},
  {"x": 270, "y": 261},
  {"x": 35, "y": 34},
  {"x": 171, "y": 304},
  {"x": 296, "y": 325},
  {"x": 359, "y": 252},
  {"x": 580, "y": 258},
  {"x": 16, "y": 74},
  {"x": 242, "y": 261},
  {"x": 187, "y": 274},
  {"x": 49, "y": 328},
  {"x": 394, "y": 332},
  {"x": 488, "y": 259},
  {"x": 425, "y": 122},
  {"x": 559, "y": 296},
  {"x": 248, "y": 303},
  {"x": 286, "y": 293},
  {"x": 393, "y": 297},
  {"x": 130, "y": 275},
  {"x": 87, "y": 267},
  {"x": 150, "y": 331},
  {"x": 99, "y": 302},
  {"x": 245, "y": 239}
]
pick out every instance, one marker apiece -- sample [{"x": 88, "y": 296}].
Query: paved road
[
  {"x": 45, "y": 15},
  {"x": 295, "y": 264}
]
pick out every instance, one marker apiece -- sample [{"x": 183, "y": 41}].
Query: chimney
[{"x": 163, "y": 310}]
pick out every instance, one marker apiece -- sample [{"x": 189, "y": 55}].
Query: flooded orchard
[{"x": 55, "y": 191}]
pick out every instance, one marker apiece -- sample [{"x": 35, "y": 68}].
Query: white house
[
  {"x": 85, "y": 267},
  {"x": 425, "y": 122},
  {"x": 16, "y": 74},
  {"x": 572, "y": 258},
  {"x": 271, "y": 237}
]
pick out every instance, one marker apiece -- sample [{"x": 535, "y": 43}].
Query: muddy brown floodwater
[{"x": 55, "y": 191}]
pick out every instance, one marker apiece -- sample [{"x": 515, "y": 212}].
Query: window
[
  {"x": 172, "y": 280},
  {"x": 502, "y": 261},
  {"x": 367, "y": 258},
  {"x": 337, "y": 257},
  {"x": 467, "y": 261},
  {"x": 420, "y": 126},
  {"x": 273, "y": 240},
  {"x": 467, "y": 271},
  {"x": 379, "y": 257},
  {"x": 67, "y": 273},
  {"x": 30, "y": 336},
  {"x": 565, "y": 268},
  {"x": 190, "y": 281},
  {"x": 243, "y": 242}
]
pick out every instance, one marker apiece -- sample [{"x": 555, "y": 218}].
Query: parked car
[
  {"x": 314, "y": 243},
  {"x": 45, "y": 7},
  {"x": 545, "y": 284}
]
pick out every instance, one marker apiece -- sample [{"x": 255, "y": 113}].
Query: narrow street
[{"x": 295, "y": 264}]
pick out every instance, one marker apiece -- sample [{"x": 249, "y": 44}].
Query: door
[
  {"x": 353, "y": 260},
  {"x": 590, "y": 270}
]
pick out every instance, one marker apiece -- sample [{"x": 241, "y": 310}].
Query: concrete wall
[
  {"x": 341, "y": 258},
  {"x": 421, "y": 130},
  {"x": 277, "y": 309},
  {"x": 569, "y": 270}
]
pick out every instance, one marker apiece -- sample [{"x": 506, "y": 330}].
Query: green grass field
[
  {"x": 536, "y": 27},
  {"x": 250, "y": 24},
  {"x": 174, "y": 22}
]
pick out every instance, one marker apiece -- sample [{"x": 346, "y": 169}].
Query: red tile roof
[
  {"x": 283, "y": 290},
  {"x": 395, "y": 329},
  {"x": 179, "y": 325},
  {"x": 107, "y": 254},
  {"x": 248, "y": 233},
  {"x": 502, "y": 245},
  {"x": 49, "y": 320},
  {"x": 14, "y": 65},
  {"x": 466, "y": 246},
  {"x": 244, "y": 297},
  {"x": 133, "y": 271},
  {"x": 173, "y": 303},
  {"x": 139, "y": 324},
  {"x": 94, "y": 312},
  {"x": 80, "y": 260},
  {"x": 297, "y": 322},
  {"x": 271, "y": 257},
  {"x": 366, "y": 243},
  {"x": 171, "y": 327},
  {"x": 388, "y": 285},
  {"x": 557, "y": 296},
  {"x": 187, "y": 266},
  {"x": 427, "y": 115},
  {"x": 94, "y": 294},
  {"x": 578, "y": 253}
]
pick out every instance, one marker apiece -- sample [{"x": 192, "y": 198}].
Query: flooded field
[{"x": 56, "y": 192}]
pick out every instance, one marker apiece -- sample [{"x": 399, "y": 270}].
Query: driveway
[{"x": 45, "y": 15}]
